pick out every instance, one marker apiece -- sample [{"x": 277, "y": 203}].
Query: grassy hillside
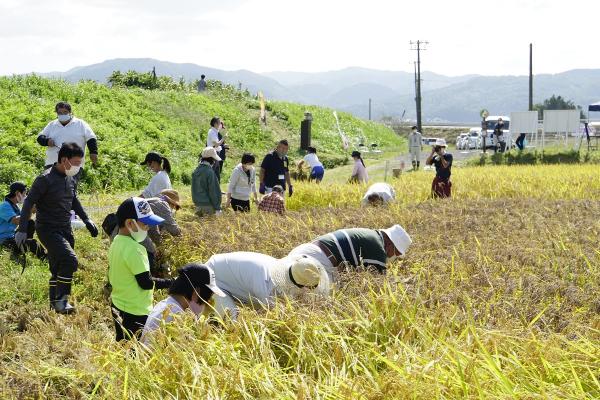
[
  {"x": 497, "y": 298},
  {"x": 130, "y": 122}
]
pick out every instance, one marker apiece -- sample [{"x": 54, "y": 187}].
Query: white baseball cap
[
  {"x": 441, "y": 142},
  {"x": 399, "y": 237},
  {"x": 210, "y": 152}
]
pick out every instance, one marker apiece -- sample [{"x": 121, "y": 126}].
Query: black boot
[
  {"x": 418, "y": 164},
  {"x": 414, "y": 164},
  {"x": 52, "y": 293},
  {"x": 62, "y": 306}
]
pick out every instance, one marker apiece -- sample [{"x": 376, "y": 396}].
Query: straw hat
[
  {"x": 210, "y": 152},
  {"x": 295, "y": 272},
  {"x": 399, "y": 237},
  {"x": 441, "y": 142},
  {"x": 172, "y": 197}
]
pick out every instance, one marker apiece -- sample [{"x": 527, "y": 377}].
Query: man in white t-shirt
[
  {"x": 67, "y": 129},
  {"x": 415, "y": 145},
  {"x": 379, "y": 194}
]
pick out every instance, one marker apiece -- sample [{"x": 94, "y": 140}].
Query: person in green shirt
[
  {"x": 129, "y": 269},
  {"x": 206, "y": 192}
]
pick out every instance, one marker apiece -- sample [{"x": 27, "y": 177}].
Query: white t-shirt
[
  {"x": 312, "y": 160},
  {"x": 76, "y": 131},
  {"x": 158, "y": 183},
  {"x": 415, "y": 140},
  {"x": 162, "y": 311},
  {"x": 244, "y": 275},
  {"x": 212, "y": 138},
  {"x": 384, "y": 190}
]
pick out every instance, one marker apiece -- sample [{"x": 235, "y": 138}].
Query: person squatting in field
[
  {"x": 54, "y": 195},
  {"x": 351, "y": 249},
  {"x": 378, "y": 194},
  {"x": 317, "y": 171},
  {"x": 441, "y": 187}
]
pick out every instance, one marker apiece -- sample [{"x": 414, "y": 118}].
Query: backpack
[{"x": 109, "y": 223}]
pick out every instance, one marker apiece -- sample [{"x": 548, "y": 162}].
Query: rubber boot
[
  {"x": 414, "y": 164},
  {"x": 62, "y": 305},
  {"x": 418, "y": 164},
  {"x": 52, "y": 293}
]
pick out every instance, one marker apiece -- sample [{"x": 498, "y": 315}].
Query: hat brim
[
  {"x": 216, "y": 157},
  {"x": 283, "y": 284},
  {"x": 152, "y": 220},
  {"x": 397, "y": 243},
  {"x": 216, "y": 290}
]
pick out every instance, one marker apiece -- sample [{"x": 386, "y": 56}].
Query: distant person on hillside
[
  {"x": 499, "y": 135},
  {"x": 520, "y": 142},
  {"x": 351, "y": 249},
  {"x": 215, "y": 139},
  {"x": 206, "y": 192},
  {"x": 274, "y": 169},
  {"x": 67, "y": 129},
  {"x": 359, "y": 172},
  {"x": 161, "y": 168},
  {"x": 132, "y": 286},
  {"x": 379, "y": 194},
  {"x": 10, "y": 217},
  {"x": 202, "y": 83},
  {"x": 273, "y": 201},
  {"x": 54, "y": 196},
  {"x": 257, "y": 279},
  {"x": 242, "y": 185},
  {"x": 192, "y": 290},
  {"x": 317, "y": 171},
  {"x": 415, "y": 145},
  {"x": 441, "y": 186}
]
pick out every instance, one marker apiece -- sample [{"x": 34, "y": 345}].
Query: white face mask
[
  {"x": 140, "y": 235},
  {"x": 64, "y": 118},
  {"x": 247, "y": 167},
  {"x": 73, "y": 170}
]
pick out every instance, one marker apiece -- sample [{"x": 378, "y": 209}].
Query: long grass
[{"x": 497, "y": 298}]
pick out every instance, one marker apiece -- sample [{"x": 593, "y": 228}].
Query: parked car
[
  {"x": 474, "y": 141},
  {"x": 461, "y": 141}
]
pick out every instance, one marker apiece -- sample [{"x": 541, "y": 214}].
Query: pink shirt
[{"x": 360, "y": 172}]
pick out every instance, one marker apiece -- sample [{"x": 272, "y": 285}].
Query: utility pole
[
  {"x": 530, "y": 77},
  {"x": 369, "y": 109},
  {"x": 418, "y": 46}
]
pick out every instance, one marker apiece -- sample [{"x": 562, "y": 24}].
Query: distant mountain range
[{"x": 445, "y": 98}]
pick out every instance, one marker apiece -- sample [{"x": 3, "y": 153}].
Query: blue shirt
[{"x": 7, "y": 212}]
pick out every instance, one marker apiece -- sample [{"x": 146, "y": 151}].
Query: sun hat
[
  {"x": 172, "y": 197},
  {"x": 441, "y": 142},
  {"x": 138, "y": 209},
  {"x": 295, "y": 272},
  {"x": 210, "y": 152},
  {"x": 399, "y": 237}
]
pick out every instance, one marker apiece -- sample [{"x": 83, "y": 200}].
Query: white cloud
[{"x": 483, "y": 37}]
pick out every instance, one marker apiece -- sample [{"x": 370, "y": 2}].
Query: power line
[{"x": 418, "y": 46}]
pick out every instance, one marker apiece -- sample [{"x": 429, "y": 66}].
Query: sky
[{"x": 465, "y": 36}]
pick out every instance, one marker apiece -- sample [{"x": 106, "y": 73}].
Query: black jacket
[{"x": 54, "y": 195}]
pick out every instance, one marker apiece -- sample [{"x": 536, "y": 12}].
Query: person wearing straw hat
[
  {"x": 206, "y": 192},
  {"x": 192, "y": 290},
  {"x": 379, "y": 194},
  {"x": 441, "y": 187},
  {"x": 254, "y": 278},
  {"x": 348, "y": 249}
]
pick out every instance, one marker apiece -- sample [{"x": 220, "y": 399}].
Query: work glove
[
  {"x": 291, "y": 190},
  {"x": 20, "y": 239},
  {"x": 219, "y": 213},
  {"x": 89, "y": 224},
  {"x": 262, "y": 189}
]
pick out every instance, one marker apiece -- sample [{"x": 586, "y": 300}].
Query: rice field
[{"x": 497, "y": 298}]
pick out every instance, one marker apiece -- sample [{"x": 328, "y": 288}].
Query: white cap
[
  {"x": 210, "y": 152},
  {"x": 441, "y": 142},
  {"x": 212, "y": 284},
  {"x": 299, "y": 271},
  {"x": 399, "y": 237}
]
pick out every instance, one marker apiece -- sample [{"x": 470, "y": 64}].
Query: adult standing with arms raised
[
  {"x": 67, "y": 129},
  {"x": 274, "y": 169},
  {"x": 53, "y": 194},
  {"x": 441, "y": 185}
]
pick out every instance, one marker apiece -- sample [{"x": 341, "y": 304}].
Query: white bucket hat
[
  {"x": 292, "y": 273},
  {"x": 441, "y": 142},
  {"x": 399, "y": 237},
  {"x": 210, "y": 152}
]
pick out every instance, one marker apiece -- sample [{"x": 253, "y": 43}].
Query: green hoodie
[{"x": 205, "y": 187}]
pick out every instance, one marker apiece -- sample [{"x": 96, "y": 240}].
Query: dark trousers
[
  {"x": 59, "y": 242},
  {"x": 520, "y": 140},
  {"x": 441, "y": 188},
  {"x": 240, "y": 205},
  {"x": 217, "y": 166},
  {"x": 127, "y": 325},
  {"x": 31, "y": 245}
]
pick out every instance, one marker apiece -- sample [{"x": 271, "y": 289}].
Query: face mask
[
  {"x": 138, "y": 236},
  {"x": 73, "y": 170},
  {"x": 196, "y": 308},
  {"x": 21, "y": 198},
  {"x": 64, "y": 118},
  {"x": 247, "y": 167},
  {"x": 281, "y": 154}
]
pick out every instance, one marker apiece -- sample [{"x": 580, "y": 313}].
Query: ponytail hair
[
  {"x": 166, "y": 165},
  {"x": 361, "y": 160}
]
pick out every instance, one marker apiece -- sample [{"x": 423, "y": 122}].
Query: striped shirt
[{"x": 357, "y": 247}]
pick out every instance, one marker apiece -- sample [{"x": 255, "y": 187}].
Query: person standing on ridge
[{"x": 415, "y": 145}]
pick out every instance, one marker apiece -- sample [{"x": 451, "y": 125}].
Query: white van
[{"x": 490, "y": 141}]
